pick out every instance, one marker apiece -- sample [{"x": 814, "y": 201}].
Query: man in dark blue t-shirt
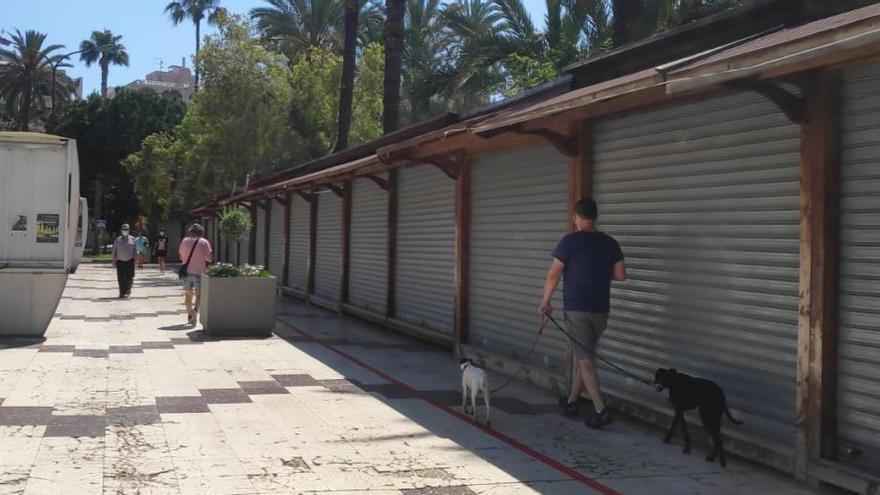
[{"x": 588, "y": 261}]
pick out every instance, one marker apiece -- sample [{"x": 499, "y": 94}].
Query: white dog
[{"x": 473, "y": 381}]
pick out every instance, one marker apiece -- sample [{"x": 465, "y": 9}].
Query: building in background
[{"x": 176, "y": 82}]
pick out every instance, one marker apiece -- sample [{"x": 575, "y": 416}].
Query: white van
[
  {"x": 39, "y": 203},
  {"x": 82, "y": 233}
]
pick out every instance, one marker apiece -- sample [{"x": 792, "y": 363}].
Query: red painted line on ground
[{"x": 553, "y": 463}]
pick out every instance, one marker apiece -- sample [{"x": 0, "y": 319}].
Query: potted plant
[
  {"x": 237, "y": 300},
  {"x": 234, "y": 224}
]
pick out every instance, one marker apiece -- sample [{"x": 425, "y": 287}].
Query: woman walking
[
  {"x": 161, "y": 250},
  {"x": 195, "y": 253},
  {"x": 142, "y": 243}
]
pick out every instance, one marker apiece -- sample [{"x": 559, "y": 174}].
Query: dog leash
[
  {"x": 528, "y": 354},
  {"x": 600, "y": 358}
]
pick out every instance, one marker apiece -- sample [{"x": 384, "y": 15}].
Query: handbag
[{"x": 182, "y": 269}]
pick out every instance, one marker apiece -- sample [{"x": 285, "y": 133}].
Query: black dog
[{"x": 687, "y": 393}]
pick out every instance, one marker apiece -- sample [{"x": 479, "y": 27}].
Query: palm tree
[
  {"x": 299, "y": 25},
  {"x": 196, "y": 11},
  {"x": 425, "y": 56},
  {"x": 395, "y": 10},
  {"x": 349, "y": 56},
  {"x": 103, "y": 47},
  {"x": 26, "y": 77}
]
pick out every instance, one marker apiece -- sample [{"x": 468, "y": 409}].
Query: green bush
[
  {"x": 227, "y": 270},
  {"x": 234, "y": 223}
]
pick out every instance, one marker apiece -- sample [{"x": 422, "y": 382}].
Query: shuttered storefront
[
  {"x": 424, "y": 276},
  {"x": 858, "y": 386},
  {"x": 298, "y": 266},
  {"x": 704, "y": 200},
  {"x": 368, "y": 264},
  {"x": 328, "y": 247},
  {"x": 276, "y": 240},
  {"x": 233, "y": 252},
  {"x": 260, "y": 254},
  {"x": 519, "y": 211}
]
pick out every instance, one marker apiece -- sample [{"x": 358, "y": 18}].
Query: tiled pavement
[{"x": 124, "y": 398}]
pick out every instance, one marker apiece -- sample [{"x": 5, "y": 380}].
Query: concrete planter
[{"x": 239, "y": 306}]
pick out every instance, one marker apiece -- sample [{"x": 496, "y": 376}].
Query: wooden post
[
  {"x": 346, "y": 241},
  {"x": 819, "y": 233},
  {"x": 580, "y": 175},
  {"x": 313, "y": 238},
  {"x": 288, "y": 200},
  {"x": 462, "y": 249},
  {"x": 390, "y": 287},
  {"x": 267, "y": 234}
]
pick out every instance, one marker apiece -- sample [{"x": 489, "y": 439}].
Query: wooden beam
[
  {"x": 338, "y": 191},
  {"x": 313, "y": 234},
  {"x": 792, "y": 105},
  {"x": 304, "y": 195},
  {"x": 450, "y": 164},
  {"x": 285, "y": 279},
  {"x": 345, "y": 259},
  {"x": 564, "y": 144},
  {"x": 267, "y": 235},
  {"x": 390, "y": 284},
  {"x": 818, "y": 293},
  {"x": 383, "y": 183},
  {"x": 580, "y": 175},
  {"x": 461, "y": 251}
]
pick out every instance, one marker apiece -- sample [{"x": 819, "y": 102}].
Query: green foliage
[
  {"x": 234, "y": 223},
  {"x": 526, "y": 72},
  {"x": 227, "y": 270},
  {"x": 155, "y": 172},
  {"x": 104, "y": 48},
  {"x": 107, "y": 131}
]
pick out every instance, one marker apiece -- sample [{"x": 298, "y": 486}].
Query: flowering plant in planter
[
  {"x": 228, "y": 270},
  {"x": 234, "y": 223}
]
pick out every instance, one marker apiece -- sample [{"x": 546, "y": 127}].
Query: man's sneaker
[
  {"x": 568, "y": 408},
  {"x": 600, "y": 419}
]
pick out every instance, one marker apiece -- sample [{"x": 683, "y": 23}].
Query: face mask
[
  {"x": 161, "y": 232},
  {"x": 124, "y": 232}
]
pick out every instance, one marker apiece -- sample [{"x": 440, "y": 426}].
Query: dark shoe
[
  {"x": 568, "y": 408},
  {"x": 600, "y": 419}
]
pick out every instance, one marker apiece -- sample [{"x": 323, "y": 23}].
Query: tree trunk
[
  {"x": 626, "y": 16},
  {"x": 346, "y": 92},
  {"x": 105, "y": 69},
  {"x": 393, "y": 60},
  {"x": 198, "y": 47}
]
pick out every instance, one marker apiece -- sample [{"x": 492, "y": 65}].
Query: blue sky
[{"x": 146, "y": 32}]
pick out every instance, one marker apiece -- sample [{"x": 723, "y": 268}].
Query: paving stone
[
  {"x": 296, "y": 380},
  {"x": 341, "y": 386},
  {"x": 167, "y": 344},
  {"x": 24, "y": 415},
  {"x": 76, "y": 426},
  {"x": 126, "y": 349},
  {"x": 225, "y": 396},
  {"x": 262, "y": 387},
  {"x": 57, "y": 348},
  {"x": 133, "y": 415},
  {"x": 182, "y": 405},
  {"x": 184, "y": 341},
  {"x": 91, "y": 353}
]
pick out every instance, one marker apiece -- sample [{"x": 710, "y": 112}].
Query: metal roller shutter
[
  {"x": 259, "y": 256},
  {"x": 858, "y": 385},
  {"x": 424, "y": 277},
  {"x": 298, "y": 266},
  {"x": 244, "y": 246},
  {"x": 232, "y": 252},
  {"x": 519, "y": 211},
  {"x": 328, "y": 247},
  {"x": 704, "y": 200},
  {"x": 368, "y": 265},
  {"x": 276, "y": 240}
]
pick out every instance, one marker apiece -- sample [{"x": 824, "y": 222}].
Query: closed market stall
[
  {"x": 276, "y": 240},
  {"x": 328, "y": 247},
  {"x": 704, "y": 199},
  {"x": 368, "y": 246},
  {"x": 260, "y": 229},
  {"x": 298, "y": 266}
]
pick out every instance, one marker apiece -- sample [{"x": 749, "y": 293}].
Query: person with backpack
[{"x": 195, "y": 252}]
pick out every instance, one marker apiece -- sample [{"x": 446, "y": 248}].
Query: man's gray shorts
[
  {"x": 193, "y": 283},
  {"x": 586, "y": 328}
]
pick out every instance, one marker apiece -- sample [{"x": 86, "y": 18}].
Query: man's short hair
[{"x": 586, "y": 208}]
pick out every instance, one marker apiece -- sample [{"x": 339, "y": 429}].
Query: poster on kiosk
[{"x": 40, "y": 209}]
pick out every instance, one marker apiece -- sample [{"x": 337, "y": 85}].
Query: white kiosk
[{"x": 39, "y": 204}]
